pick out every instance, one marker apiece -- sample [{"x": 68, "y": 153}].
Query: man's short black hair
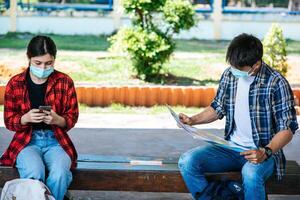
[{"x": 244, "y": 50}]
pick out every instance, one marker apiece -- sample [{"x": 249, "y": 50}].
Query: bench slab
[{"x": 115, "y": 173}]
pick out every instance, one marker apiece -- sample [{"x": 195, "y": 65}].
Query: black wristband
[{"x": 268, "y": 152}]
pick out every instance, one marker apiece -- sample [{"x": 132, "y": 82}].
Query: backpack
[{"x": 24, "y": 189}]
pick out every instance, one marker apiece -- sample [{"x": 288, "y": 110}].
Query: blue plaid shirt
[{"x": 271, "y": 107}]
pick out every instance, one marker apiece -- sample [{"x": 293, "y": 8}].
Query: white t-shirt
[{"x": 242, "y": 135}]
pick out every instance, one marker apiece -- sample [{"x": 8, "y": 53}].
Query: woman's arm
[
  {"x": 68, "y": 118},
  {"x": 12, "y": 113}
]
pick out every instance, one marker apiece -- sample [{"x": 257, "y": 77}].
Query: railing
[
  {"x": 203, "y": 6},
  {"x": 97, "y": 5},
  {"x": 264, "y": 9}
]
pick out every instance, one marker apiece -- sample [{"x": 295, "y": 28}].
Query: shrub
[
  {"x": 149, "y": 40},
  {"x": 275, "y": 49}
]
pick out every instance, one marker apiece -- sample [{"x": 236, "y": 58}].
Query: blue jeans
[
  {"x": 194, "y": 163},
  {"x": 45, "y": 153}
]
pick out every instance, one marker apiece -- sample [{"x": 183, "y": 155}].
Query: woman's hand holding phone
[
  {"x": 33, "y": 116},
  {"x": 52, "y": 118},
  {"x": 43, "y": 114}
]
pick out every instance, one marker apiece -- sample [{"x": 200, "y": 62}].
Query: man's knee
[
  {"x": 250, "y": 174},
  {"x": 187, "y": 162}
]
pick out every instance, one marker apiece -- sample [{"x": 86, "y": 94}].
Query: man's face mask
[{"x": 240, "y": 74}]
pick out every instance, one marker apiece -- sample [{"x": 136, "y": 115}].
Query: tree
[
  {"x": 149, "y": 41},
  {"x": 275, "y": 49}
]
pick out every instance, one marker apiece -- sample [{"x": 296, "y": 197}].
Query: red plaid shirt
[{"x": 60, "y": 94}]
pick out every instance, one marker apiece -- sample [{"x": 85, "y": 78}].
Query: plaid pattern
[
  {"x": 60, "y": 94},
  {"x": 271, "y": 107}
]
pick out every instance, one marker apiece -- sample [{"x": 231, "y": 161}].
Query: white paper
[{"x": 206, "y": 136}]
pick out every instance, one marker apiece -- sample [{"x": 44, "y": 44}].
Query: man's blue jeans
[
  {"x": 45, "y": 153},
  {"x": 194, "y": 163}
]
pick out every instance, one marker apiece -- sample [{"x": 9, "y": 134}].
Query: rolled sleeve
[
  {"x": 283, "y": 108},
  {"x": 218, "y": 107},
  {"x": 218, "y": 102}
]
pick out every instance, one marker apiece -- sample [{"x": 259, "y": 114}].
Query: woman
[{"x": 41, "y": 143}]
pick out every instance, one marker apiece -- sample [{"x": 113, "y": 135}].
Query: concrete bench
[{"x": 147, "y": 174}]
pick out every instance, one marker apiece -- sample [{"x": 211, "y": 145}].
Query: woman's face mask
[
  {"x": 41, "y": 73},
  {"x": 42, "y": 66}
]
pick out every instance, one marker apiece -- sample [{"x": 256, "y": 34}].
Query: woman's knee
[
  {"x": 58, "y": 174},
  {"x": 30, "y": 164},
  {"x": 33, "y": 172}
]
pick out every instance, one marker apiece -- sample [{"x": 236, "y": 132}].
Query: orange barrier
[{"x": 147, "y": 95}]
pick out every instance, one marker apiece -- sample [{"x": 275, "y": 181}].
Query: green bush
[
  {"x": 149, "y": 40},
  {"x": 275, "y": 49}
]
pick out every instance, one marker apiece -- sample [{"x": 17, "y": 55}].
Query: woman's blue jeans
[
  {"x": 194, "y": 163},
  {"x": 45, "y": 153}
]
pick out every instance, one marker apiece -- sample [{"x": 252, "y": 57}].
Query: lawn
[
  {"x": 63, "y": 42},
  {"x": 96, "y": 66},
  {"x": 122, "y": 109},
  {"x": 86, "y": 60},
  {"x": 100, "y": 43},
  {"x": 118, "y": 71}
]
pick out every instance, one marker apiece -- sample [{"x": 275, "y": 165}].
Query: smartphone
[{"x": 48, "y": 108}]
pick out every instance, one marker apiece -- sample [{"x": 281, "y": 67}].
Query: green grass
[
  {"x": 293, "y": 47},
  {"x": 202, "y": 69},
  {"x": 63, "y": 42},
  {"x": 202, "y": 46},
  {"x": 118, "y": 71},
  {"x": 121, "y": 109},
  {"x": 100, "y": 43}
]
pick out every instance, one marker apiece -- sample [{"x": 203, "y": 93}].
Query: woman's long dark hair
[{"x": 41, "y": 45}]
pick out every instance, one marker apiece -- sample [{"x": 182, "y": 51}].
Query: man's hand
[
  {"x": 255, "y": 156},
  {"x": 185, "y": 119},
  {"x": 52, "y": 118},
  {"x": 33, "y": 116}
]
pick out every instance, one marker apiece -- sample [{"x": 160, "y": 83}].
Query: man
[{"x": 260, "y": 116}]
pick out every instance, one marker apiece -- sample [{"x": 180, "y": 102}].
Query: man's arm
[
  {"x": 215, "y": 111},
  {"x": 281, "y": 139},
  {"x": 206, "y": 116}
]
